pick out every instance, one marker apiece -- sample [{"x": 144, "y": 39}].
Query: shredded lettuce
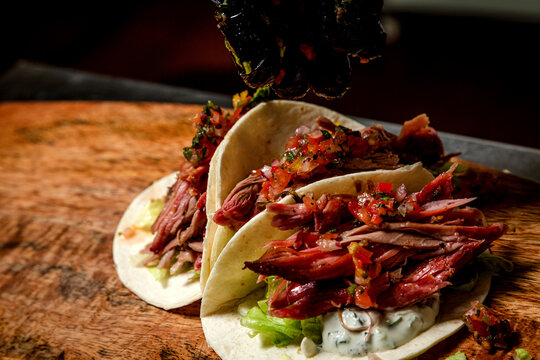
[
  {"x": 312, "y": 328},
  {"x": 196, "y": 274},
  {"x": 149, "y": 214},
  {"x": 457, "y": 356},
  {"x": 280, "y": 331},
  {"x": 160, "y": 275},
  {"x": 522, "y": 354}
]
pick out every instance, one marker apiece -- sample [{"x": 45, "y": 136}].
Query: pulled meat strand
[
  {"x": 405, "y": 240},
  {"x": 303, "y": 266},
  {"x": 419, "y": 142},
  {"x": 239, "y": 204},
  {"x": 439, "y": 188},
  {"x": 449, "y": 232},
  {"x": 174, "y": 208},
  {"x": 309, "y": 300}
]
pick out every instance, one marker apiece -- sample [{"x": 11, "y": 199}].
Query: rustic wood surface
[{"x": 67, "y": 172}]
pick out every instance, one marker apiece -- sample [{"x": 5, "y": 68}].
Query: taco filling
[
  {"x": 367, "y": 268},
  {"x": 179, "y": 228},
  {"x": 328, "y": 150}
]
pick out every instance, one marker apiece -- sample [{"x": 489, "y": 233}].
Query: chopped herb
[
  {"x": 208, "y": 107},
  {"x": 326, "y": 134},
  {"x": 197, "y": 138},
  {"x": 342, "y": 128},
  {"x": 395, "y": 322},
  {"x": 351, "y": 289},
  {"x": 290, "y": 155},
  {"x": 188, "y": 153}
]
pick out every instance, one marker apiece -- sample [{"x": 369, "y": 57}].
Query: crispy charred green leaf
[{"x": 296, "y": 45}]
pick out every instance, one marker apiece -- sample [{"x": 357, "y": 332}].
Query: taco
[
  {"x": 283, "y": 145},
  {"x": 158, "y": 246},
  {"x": 256, "y": 139},
  {"x": 355, "y": 264},
  {"x": 132, "y": 236}
]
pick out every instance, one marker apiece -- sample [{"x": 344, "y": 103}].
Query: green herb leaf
[
  {"x": 188, "y": 153},
  {"x": 326, "y": 134},
  {"x": 290, "y": 155}
]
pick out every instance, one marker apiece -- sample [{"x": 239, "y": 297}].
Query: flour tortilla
[
  {"x": 179, "y": 290},
  {"x": 255, "y": 140},
  {"x": 230, "y": 284}
]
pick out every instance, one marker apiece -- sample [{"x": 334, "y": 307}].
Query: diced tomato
[
  {"x": 360, "y": 253},
  {"x": 362, "y": 298},
  {"x": 326, "y": 146},
  {"x": 279, "y": 182},
  {"x": 292, "y": 143},
  {"x": 384, "y": 187},
  {"x": 359, "y": 212},
  {"x": 488, "y": 327}
]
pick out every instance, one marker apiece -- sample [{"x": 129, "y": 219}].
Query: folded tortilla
[
  {"x": 230, "y": 284},
  {"x": 176, "y": 291},
  {"x": 255, "y": 140}
]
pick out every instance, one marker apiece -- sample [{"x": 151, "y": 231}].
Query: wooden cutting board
[{"x": 68, "y": 170}]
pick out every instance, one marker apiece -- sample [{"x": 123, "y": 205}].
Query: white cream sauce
[{"x": 388, "y": 330}]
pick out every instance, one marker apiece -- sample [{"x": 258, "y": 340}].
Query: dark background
[{"x": 474, "y": 74}]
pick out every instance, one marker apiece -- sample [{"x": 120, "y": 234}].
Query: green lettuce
[
  {"x": 160, "y": 275},
  {"x": 457, "y": 356},
  {"x": 522, "y": 354},
  {"x": 149, "y": 214}
]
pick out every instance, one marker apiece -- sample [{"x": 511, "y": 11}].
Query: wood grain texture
[{"x": 68, "y": 170}]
